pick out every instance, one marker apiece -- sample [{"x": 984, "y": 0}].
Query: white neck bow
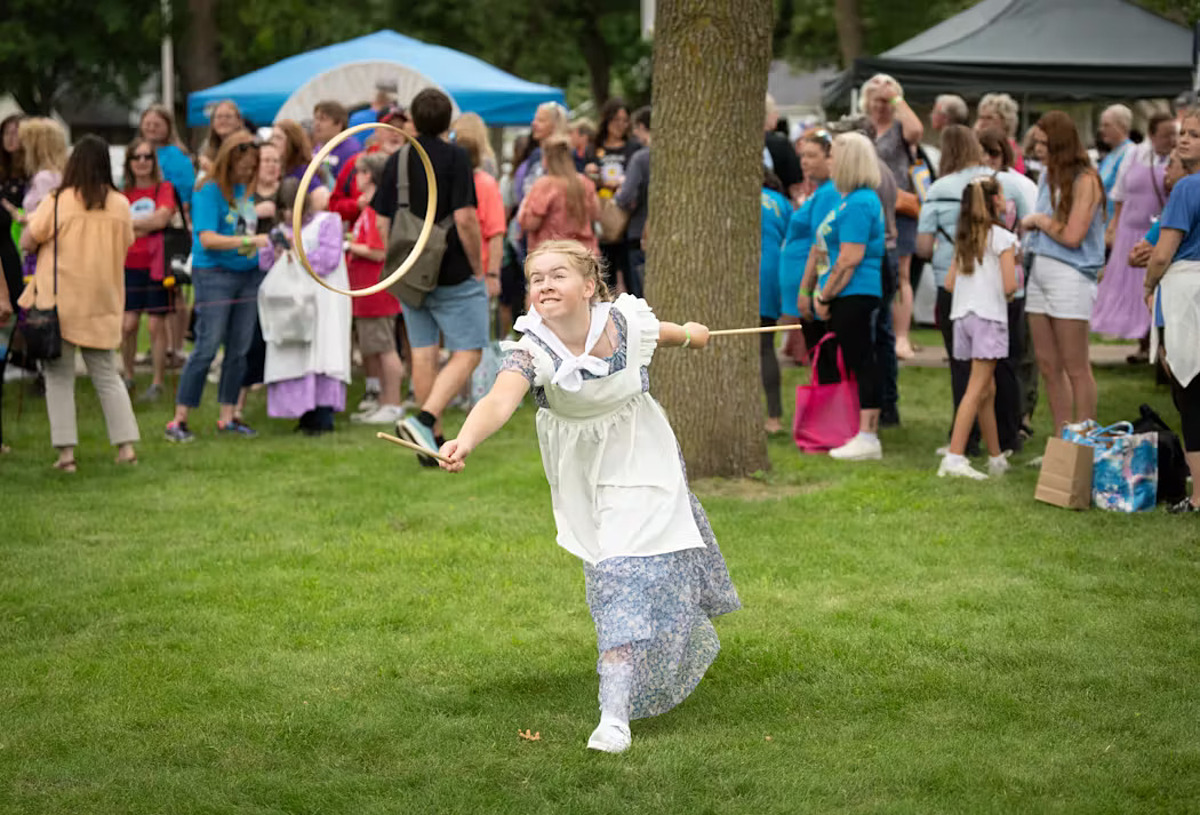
[{"x": 569, "y": 376}]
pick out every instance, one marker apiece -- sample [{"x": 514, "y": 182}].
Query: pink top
[
  {"x": 547, "y": 200},
  {"x": 489, "y": 207},
  {"x": 42, "y": 184}
]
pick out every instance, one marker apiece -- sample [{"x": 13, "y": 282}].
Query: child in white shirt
[{"x": 982, "y": 278}]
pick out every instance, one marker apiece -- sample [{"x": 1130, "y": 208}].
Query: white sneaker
[
  {"x": 858, "y": 448},
  {"x": 610, "y": 737},
  {"x": 384, "y": 414},
  {"x": 370, "y": 402},
  {"x": 999, "y": 465},
  {"x": 942, "y": 451},
  {"x": 960, "y": 467}
]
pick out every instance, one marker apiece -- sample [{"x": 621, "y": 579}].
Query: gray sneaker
[{"x": 152, "y": 393}]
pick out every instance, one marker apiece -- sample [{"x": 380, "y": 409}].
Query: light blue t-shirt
[
  {"x": 1110, "y": 168},
  {"x": 211, "y": 213},
  {"x": 775, "y": 213},
  {"x": 177, "y": 169},
  {"x": 858, "y": 219},
  {"x": 939, "y": 216},
  {"x": 943, "y": 205}
]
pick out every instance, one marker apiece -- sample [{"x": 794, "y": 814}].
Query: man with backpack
[{"x": 444, "y": 293}]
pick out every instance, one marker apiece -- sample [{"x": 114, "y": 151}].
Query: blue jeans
[{"x": 226, "y": 313}]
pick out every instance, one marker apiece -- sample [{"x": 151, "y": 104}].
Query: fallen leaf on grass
[{"x": 528, "y": 736}]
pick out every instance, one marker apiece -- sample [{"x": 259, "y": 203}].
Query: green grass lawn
[{"x": 295, "y": 625}]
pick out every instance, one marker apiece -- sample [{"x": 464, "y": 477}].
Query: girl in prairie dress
[{"x": 652, "y": 568}]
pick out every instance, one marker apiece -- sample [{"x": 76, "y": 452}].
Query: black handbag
[
  {"x": 177, "y": 244},
  {"x": 39, "y": 326}
]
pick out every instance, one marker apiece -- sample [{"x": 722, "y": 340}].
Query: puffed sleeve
[
  {"x": 525, "y": 358},
  {"x": 643, "y": 327}
]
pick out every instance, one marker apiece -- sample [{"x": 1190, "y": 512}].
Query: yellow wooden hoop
[{"x": 426, "y": 228}]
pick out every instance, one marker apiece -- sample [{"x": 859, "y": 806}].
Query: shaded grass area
[{"x": 295, "y": 625}]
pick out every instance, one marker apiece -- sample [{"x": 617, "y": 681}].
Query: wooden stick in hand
[
  {"x": 414, "y": 447},
  {"x": 765, "y": 329}
]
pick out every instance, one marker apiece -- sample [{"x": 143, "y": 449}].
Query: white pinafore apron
[{"x": 616, "y": 481}]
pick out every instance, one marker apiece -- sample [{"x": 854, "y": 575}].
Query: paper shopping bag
[{"x": 1066, "y": 476}]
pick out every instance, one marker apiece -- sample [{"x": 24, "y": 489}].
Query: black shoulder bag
[
  {"x": 43, "y": 339},
  {"x": 177, "y": 242}
]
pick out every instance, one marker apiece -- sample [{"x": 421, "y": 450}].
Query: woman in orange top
[
  {"x": 562, "y": 204},
  {"x": 82, "y": 233}
]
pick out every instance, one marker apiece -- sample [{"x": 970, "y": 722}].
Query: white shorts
[{"x": 1059, "y": 290}]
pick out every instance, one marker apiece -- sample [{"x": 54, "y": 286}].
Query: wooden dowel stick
[
  {"x": 414, "y": 447},
  {"x": 765, "y": 329}
]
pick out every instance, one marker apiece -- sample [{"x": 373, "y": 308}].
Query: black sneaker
[
  {"x": 178, "y": 432},
  {"x": 1183, "y": 507}
]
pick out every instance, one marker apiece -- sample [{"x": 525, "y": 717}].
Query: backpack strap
[{"x": 402, "y": 177}]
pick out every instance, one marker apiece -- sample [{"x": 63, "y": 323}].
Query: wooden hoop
[{"x": 426, "y": 228}]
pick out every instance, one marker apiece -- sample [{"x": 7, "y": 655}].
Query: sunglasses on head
[{"x": 247, "y": 145}]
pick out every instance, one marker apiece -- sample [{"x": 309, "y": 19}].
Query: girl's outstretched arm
[
  {"x": 486, "y": 418},
  {"x": 694, "y": 334}
]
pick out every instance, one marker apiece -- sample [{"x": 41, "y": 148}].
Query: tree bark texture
[
  {"x": 199, "y": 68},
  {"x": 847, "y": 16},
  {"x": 704, "y": 236}
]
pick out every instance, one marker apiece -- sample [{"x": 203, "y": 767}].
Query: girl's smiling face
[{"x": 557, "y": 289}]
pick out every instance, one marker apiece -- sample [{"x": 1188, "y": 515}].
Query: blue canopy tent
[{"x": 347, "y": 71}]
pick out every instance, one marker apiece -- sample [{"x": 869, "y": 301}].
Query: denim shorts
[{"x": 458, "y": 312}]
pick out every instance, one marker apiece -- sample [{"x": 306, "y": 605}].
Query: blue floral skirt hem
[{"x": 659, "y": 608}]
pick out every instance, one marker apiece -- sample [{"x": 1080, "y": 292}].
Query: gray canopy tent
[{"x": 1047, "y": 49}]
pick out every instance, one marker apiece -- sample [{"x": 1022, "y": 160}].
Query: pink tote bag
[{"x": 826, "y": 415}]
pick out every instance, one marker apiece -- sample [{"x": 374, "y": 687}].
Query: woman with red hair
[{"x": 1068, "y": 250}]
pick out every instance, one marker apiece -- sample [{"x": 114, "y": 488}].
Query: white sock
[
  {"x": 955, "y": 458},
  {"x": 372, "y": 384},
  {"x": 865, "y": 436},
  {"x": 994, "y": 459},
  {"x": 610, "y": 718}
]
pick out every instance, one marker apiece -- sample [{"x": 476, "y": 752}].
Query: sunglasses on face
[
  {"x": 143, "y": 157},
  {"x": 246, "y": 145}
]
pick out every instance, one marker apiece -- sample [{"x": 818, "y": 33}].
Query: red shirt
[
  {"x": 143, "y": 203},
  {"x": 344, "y": 200},
  {"x": 364, "y": 272}
]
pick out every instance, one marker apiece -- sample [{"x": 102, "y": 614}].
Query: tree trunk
[
  {"x": 595, "y": 54},
  {"x": 199, "y": 68},
  {"x": 710, "y": 78},
  {"x": 848, "y": 19}
]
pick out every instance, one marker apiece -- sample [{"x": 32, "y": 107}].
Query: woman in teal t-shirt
[
  {"x": 226, "y": 276},
  {"x": 802, "y": 227},
  {"x": 850, "y": 290},
  {"x": 776, "y": 209}
]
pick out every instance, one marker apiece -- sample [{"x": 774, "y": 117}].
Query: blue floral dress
[{"x": 655, "y": 609}]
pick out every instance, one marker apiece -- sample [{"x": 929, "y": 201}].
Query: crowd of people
[
  {"x": 854, "y": 211},
  {"x": 1032, "y": 246}
]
